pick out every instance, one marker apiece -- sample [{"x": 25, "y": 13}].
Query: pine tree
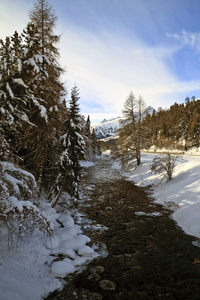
[
  {"x": 88, "y": 140},
  {"x": 13, "y": 92},
  {"x": 94, "y": 145},
  {"x": 72, "y": 150},
  {"x": 76, "y": 142}
]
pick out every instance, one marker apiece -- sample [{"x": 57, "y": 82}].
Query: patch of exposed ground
[{"x": 149, "y": 256}]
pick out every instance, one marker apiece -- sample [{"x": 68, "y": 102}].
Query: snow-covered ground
[
  {"x": 181, "y": 194},
  {"x": 31, "y": 271}
]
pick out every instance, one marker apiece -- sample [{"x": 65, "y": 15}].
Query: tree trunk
[
  {"x": 138, "y": 161},
  {"x": 61, "y": 189}
]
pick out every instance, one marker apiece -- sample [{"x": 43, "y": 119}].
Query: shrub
[{"x": 164, "y": 163}]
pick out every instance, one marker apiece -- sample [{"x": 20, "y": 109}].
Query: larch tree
[
  {"x": 140, "y": 129},
  {"x": 131, "y": 133},
  {"x": 126, "y": 147},
  {"x": 44, "y": 18},
  {"x": 50, "y": 89},
  {"x": 36, "y": 139}
]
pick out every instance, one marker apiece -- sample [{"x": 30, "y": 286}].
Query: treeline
[
  {"x": 37, "y": 128},
  {"x": 177, "y": 127}
]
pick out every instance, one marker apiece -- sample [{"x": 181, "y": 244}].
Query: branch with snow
[{"x": 17, "y": 210}]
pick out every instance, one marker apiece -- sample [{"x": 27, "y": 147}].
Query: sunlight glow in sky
[{"x": 110, "y": 47}]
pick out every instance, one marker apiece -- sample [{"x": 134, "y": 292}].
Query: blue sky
[{"x": 112, "y": 47}]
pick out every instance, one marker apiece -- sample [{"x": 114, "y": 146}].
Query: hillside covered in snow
[{"x": 108, "y": 128}]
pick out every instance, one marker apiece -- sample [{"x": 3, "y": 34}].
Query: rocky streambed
[{"x": 147, "y": 256}]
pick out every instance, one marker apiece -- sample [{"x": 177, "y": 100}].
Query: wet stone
[
  {"x": 97, "y": 269},
  {"x": 142, "y": 256},
  {"x": 107, "y": 285}
]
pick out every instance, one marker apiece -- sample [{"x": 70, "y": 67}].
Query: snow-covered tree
[
  {"x": 13, "y": 92},
  {"x": 50, "y": 89},
  {"x": 44, "y": 18},
  {"x": 72, "y": 150},
  {"x": 87, "y": 138},
  {"x": 94, "y": 145},
  {"x": 18, "y": 208}
]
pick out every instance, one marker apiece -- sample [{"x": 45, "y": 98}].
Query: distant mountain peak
[
  {"x": 110, "y": 127},
  {"x": 107, "y": 127}
]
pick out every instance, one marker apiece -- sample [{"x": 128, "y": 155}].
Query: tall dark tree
[
  {"x": 44, "y": 18},
  {"x": 72, "y": 150},
  {"x": 37, "y": 139},
  {"x": 76, "y": 144},
  {"x": 13, "y": 91},
  {"x": 88, "y": 141},
  {"x": 51, "y": 89}
]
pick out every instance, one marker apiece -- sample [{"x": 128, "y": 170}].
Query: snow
[
  {"x": 61, "y": 269},
  {"x": 9, "y": 91},
  {"x": 20, "y": 82},
  {"x": 86, "y": 164},
  {"x": 85, "y": 251},
  {"x": 43, "y": 111},
  {"x": 36, "y": 263},
  {"x": 181, "y": 194},
  {"x": 107, "y": 127},
  {"x": 35, "y": 268}
]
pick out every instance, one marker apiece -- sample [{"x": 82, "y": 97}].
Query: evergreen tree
[
  {"x": 76, "y": 144},
  {"x": 13, "y": 92},
  {"x": 94, "y": 145},
  {"x": 72, "y": 150},
  {"x": 88, "y": 140}
]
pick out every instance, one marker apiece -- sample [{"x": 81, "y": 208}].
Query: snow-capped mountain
[
  {"x": 150, "y": 110},
  {"x": 109, "y": 128}
]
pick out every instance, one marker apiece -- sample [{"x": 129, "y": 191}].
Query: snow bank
[
  {"x": 86, "y": 164},
  {"x": 61, "y": 269},
  {"x": 33, "y": 270},
  {"x": 181, "y": 194}
]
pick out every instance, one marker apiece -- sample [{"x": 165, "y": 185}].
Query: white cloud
[
  {"x": 108, "y": 67},
  {"x": 191, "y": 39}
]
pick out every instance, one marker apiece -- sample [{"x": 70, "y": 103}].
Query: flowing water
[{"x": 146, "y": 255}]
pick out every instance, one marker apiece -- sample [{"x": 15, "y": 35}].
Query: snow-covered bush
[
  {"x": 164, "y": 163},
  {"x": 17, "y": 209}
]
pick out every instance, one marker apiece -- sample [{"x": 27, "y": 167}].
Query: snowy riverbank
[
  {"x": 182, "y": 194},
  {"x": 32, "y": 271}
]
